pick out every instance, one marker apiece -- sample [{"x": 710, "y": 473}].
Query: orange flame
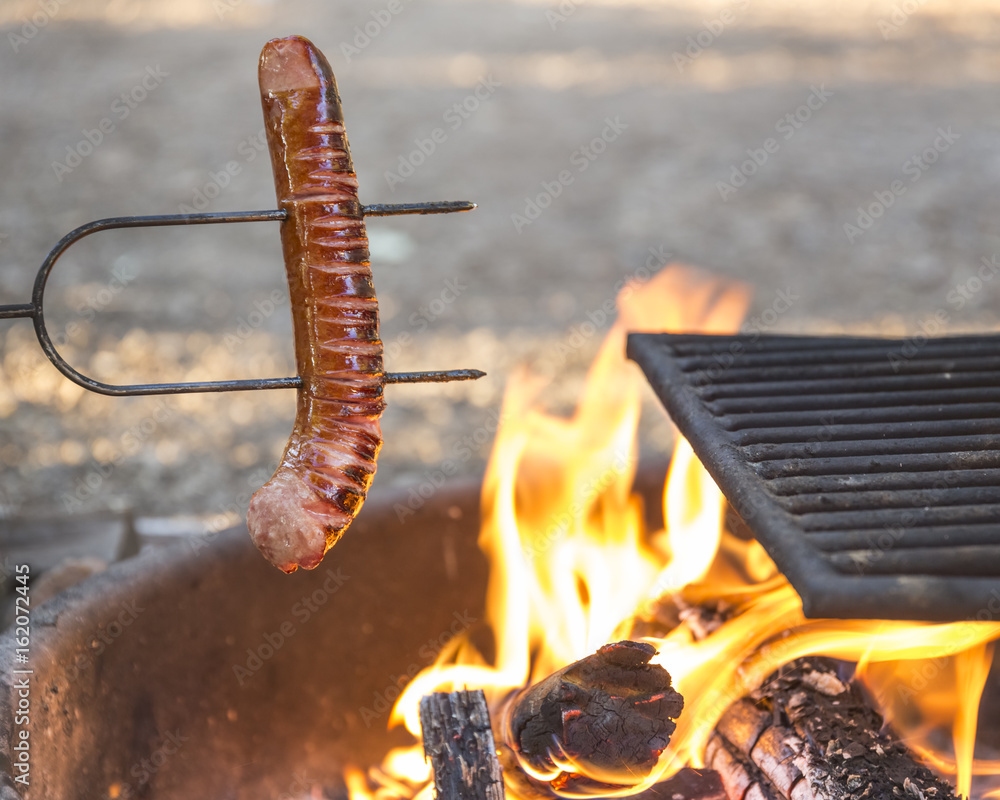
[{"x": 572, "y": 566}]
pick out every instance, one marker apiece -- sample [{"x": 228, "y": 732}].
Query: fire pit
[{"x": 199, "y": 671}]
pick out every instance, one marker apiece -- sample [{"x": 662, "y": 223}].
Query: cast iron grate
[{"x": 868, "y": 468}]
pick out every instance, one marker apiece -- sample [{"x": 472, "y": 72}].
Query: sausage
[{"x": 328, "y": 464}]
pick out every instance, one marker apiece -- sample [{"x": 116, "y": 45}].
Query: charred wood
[
  {"x": 611, "y": 713},
  {"x": 808, "y": 735},
  {"x": 458, "y": 740}
]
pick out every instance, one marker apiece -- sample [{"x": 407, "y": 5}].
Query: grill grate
[{"x": 868, "y": 468}]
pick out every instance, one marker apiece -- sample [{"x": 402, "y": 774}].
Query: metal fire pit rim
[{"x": 77, "y": 612}]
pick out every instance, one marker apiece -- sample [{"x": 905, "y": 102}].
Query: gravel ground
[{"x": 740, "y": 137}]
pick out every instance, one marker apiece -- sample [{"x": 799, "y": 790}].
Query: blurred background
[{"x": 839, "y": 158}]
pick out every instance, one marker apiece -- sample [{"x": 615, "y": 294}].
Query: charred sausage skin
[{"x": 329, "y": 461}]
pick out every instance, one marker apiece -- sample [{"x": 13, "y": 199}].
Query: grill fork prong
[{"x": 35, "y": 309}]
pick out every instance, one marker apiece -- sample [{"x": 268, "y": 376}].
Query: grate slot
[
  {"x": 884, "y": 481},
  {"x": 871, "y": 431},
  {"x": 774, "y": 366},
  {"x": 904, "y": 462},
  {"x": 800, "y": 383},
  {"x": 889, "y": 499},
  {"x": 907, "y": 517},
  {"x": 686, "y": 344},
  {"x": 767, "y": 451},
  {"x": 954, "y": 410},
  {"x": 900, "y": 538},
  {"x": 961, "y": 561},
  {"x": 751, "y": 405}
]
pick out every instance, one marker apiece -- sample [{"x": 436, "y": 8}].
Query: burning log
[
  {"x": 807, "y": 735},
  {"x": 611, "y": 714},
  {"x": 458, "y": 739}
]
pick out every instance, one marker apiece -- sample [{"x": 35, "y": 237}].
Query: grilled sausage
[{"x": 329, "y": 462}]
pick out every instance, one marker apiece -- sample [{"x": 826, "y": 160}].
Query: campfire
[
  {"x": 618, "y": 657},
  {"x": 774, "y": 704}
]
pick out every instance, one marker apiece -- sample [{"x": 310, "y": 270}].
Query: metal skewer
[{"x": 34, "y": 309}]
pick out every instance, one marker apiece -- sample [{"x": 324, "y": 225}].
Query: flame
[{"x": 573, "y": 567}]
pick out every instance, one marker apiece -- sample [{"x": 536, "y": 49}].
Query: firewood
[
  {"x": 458, "y": 739},
  {"x": 611, "y": 714},
  {"x": 807, "y": 735}
]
